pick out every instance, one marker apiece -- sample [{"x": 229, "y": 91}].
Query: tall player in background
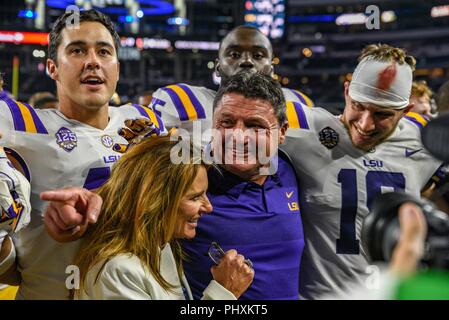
[
  {"x": 243, "y": 48},
  {"x": 71, "y": 146},
  {"x": 344, "y": 161}
]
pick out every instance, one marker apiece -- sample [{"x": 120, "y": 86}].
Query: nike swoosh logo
[
  {"x": 409, "y": 153},
  {"x": 289, "y": 195}
]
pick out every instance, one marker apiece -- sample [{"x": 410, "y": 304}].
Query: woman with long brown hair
[{"x": 132, "y": 252}]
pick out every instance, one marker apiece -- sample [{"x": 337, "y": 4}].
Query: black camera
[{"x": 381, "y": 230}]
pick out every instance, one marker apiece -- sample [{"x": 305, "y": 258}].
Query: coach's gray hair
[{"x": 258, "y": 86}]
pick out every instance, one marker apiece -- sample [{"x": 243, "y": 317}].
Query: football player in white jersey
[
  {"x": 244, "y": 48},
  {"x": 14, "y": 215},
  {"x": 71, "y": 146},
  {"x": 344, "y": 161},
  {"x": 15, "y": 210}
]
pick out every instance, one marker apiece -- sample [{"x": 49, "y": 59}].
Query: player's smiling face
[
  {"x": 244, "y": 49},
  {"x": 193, "y": 205},
  {"x": 87, "y": 67},
  {"x": 368, "y": 124}
]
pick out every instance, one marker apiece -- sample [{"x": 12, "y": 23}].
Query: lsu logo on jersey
[
  {"x": 111, "y": 159},
  {"x": 66, "y": 139},
  {"x": 292, "y": 205},
  {"x": 373, "y": 163}
]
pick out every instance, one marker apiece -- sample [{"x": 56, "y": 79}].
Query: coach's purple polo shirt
[{"x": 261, "y": 222}]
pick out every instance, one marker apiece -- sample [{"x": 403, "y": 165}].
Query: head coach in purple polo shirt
[{"x": 255, "y": 199}]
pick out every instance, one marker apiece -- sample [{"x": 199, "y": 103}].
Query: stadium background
[{"x": 316, "y": 42}]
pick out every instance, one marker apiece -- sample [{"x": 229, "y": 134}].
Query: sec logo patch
[{"x": 107, "y": 141}]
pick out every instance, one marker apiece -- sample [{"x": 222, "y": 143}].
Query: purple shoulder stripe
[
  {"x": 301, "y": 98},
  {"x": 177, "y": 103},
  {"x": 414, "y": 121},
  {"x": 37, "y": 122},
  {"x": 144, "y": 113},
  {"x": 195, "y": 102},
  {"x": 301, "y": 116},
  {"x": 19, "y": 122}
]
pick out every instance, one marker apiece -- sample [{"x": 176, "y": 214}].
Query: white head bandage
[{"x": 385, "y": 84}]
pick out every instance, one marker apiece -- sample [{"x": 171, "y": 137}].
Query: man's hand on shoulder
[{"x": 135, "y": 131}]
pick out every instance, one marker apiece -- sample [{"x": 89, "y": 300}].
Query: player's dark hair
[
  {"x": 258, "y": 86},
  {"x": 84, "y": 16}
]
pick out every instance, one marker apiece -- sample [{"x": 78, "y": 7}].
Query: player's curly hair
[
  {"x": 420, "y": 88},
  {"x": 141, "y": 203},
  {"x": 84, "y": 16},
  {"x": 385, "y": 52}
]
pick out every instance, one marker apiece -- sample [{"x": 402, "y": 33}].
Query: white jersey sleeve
[
  {"x": 297, "y": 96},
  {"x": 15, "y": 188},
  {"x": 338, "y": 183},
  {"x": 186, "y": 107},
  {"x": 5, "y": 122}
]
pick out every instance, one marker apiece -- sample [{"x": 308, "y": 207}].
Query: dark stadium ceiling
[
  {"x": 316, "y": 54},
  {"x": 210, "y": 19},
  {"x": 333, "y": 2}
]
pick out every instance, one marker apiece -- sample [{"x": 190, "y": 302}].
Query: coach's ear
[
  {"x": 52, "y": 69},
  {"x": 283, "y": 132}
]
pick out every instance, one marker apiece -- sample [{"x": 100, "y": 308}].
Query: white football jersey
[
  {"x": 338, "y": 183},
  {"x": 184, "y": 106},
  {"x": 57, "y": 152}
]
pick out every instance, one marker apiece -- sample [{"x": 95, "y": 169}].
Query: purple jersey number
[{"x": 375, "y": 180}]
